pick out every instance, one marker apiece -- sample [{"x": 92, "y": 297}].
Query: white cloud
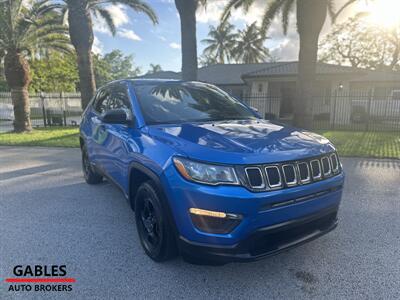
[
  {"x": 175, "y": 46},
  {"x": 97, "y": 47},
  {"x": 128, "y": 34},
  {"x": 213, "y": 10},
  {"x": 119, "y": 16},
  {"x": 286, "y": 50}
]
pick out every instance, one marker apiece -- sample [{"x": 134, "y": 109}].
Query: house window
[{"x": 260, "y": 87}]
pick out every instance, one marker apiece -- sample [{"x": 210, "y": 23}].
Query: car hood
[{"x": 241, "y": 142}]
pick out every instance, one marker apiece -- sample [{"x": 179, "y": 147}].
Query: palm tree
[
  {"x": 250, "y": 47},
  {"x": 311, "y": 16},
  {"x": 154, "y": 68},
  {"x": 221, "y": 42},
  {"x": 187, "y": 13},
  {"x": 207, "y": 60},
  {"x": 81, "y": 33},
  {"x": 26, "y": 28}
]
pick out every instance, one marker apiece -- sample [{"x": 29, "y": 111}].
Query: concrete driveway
[{"x": 48, "y": 216}]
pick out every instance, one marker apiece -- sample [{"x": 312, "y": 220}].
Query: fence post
[
  {"x": 64, "y": 104},
  {"x": 41, "y": 95},
  {"x": 370, "y": 95},
  {"x": 334, "y": 109}
]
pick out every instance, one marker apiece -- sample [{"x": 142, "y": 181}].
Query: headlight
[{"x": 205, "y": 173}]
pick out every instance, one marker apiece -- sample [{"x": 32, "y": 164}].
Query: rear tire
[
  {"x": 155, "y": 232},
  {"x": 90, "y": 174}
]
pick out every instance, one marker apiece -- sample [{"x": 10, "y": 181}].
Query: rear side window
[
  {"x": 102, "y": 99},
  {"x": 110, "y": 98}
]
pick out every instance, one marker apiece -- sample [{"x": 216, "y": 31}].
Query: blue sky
[{"x": 160, "y": 44}]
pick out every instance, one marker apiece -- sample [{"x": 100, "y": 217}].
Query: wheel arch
[{"x": 144, "y": 174}]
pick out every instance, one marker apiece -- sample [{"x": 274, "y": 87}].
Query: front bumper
[
  {"x": 266, "y": 241},
  {"x": 273, "y": 216}
]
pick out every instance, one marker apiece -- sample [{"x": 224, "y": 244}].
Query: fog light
[{"x": 214, "y": 221}]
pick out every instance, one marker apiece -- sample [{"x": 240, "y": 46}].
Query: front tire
[
  {"x": 155, "y": 231},
  {"x": 91, "y": 175}
]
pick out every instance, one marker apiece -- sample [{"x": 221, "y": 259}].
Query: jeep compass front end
[{"x": 206, "y": 176}]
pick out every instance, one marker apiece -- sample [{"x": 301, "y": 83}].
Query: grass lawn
[
  {"x": 365, "y": 144},
  {"x": 46, "y": 137},
  {"x": 361, "y": 144}
]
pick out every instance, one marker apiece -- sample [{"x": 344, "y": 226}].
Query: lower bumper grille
[{"x": 284, "y": 237}]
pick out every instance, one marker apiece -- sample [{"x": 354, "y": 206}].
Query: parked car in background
[
  {"x": 6, "y": 112},
  {"x": 205, "y": 175}
]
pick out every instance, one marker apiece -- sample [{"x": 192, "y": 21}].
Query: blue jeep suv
[{"x": 205, "y": 175}]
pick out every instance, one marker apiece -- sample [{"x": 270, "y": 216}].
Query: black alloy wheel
[
  {"x": 154, "y": 229},
  {"x": 91, "y": 176}
]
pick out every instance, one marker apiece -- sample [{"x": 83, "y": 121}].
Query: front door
[{"x": 113, "y": 153}]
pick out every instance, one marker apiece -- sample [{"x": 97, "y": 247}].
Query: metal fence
[
  {"x": 47, "y": 109},
  {"x": 355, "y": 110}
]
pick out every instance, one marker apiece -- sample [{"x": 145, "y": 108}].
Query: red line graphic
[{"x": 54, "y": 280}]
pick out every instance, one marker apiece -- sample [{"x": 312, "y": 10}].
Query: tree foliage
[
  {"x": 28, "y": 29},
  {"x": 221, "y": 42},
  {"x": 360, "y": 43},
  {"x": 79, "y": 13},
  {"x": 54, "y": 73},
  {"x": 250, "y": 46},
  {"x": 113, "y": 66},
  {"x": 243, "y": 46},
  {"x": 154, "y": 68}
]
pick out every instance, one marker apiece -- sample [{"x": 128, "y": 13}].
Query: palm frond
[
  {"x": 270, "y": 13},
  {"x": 32, "y": 27},
  {"x": 286, "y": 10},
  {"x": 137, "y": 5},
  {"x": 106, "y": 16},
  {"x": 233, "y": 4}
]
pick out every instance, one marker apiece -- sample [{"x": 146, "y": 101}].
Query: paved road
[{"x": 48, "y": 215}]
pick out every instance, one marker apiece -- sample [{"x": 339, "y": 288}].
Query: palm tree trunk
[
  {"x": 17, "y": 73},
  {"x": 81, "y": 34},
  {"x": 311, "y": 16},
  {"x": 187, "y": 13}
]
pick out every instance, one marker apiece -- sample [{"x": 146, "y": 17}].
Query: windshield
[{"x": 178, "y": 103}]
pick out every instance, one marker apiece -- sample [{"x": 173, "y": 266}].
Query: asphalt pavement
[{"x": 50, "y": 216}]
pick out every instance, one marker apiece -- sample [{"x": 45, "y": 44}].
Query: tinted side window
[
  {"x": 119, "y": 98},
  {"x": 102, "y": 99},
  {"x": 115, "y": 97}
]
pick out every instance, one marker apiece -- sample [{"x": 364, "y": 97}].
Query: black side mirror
[{"x": 116, "y": 116}]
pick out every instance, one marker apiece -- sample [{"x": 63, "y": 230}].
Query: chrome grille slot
[
  {"x": 289, "y": 173},
  {"x": 326, "y": 166},
  {"x": 282, "y": 175},
  {"x": 273, "y": 176},
  {"x": 316, "y": 169},
  {"x": 255, "y": 178},
  {"x": 334, "y": 163},
  {"x": 304, "y": 172}
]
